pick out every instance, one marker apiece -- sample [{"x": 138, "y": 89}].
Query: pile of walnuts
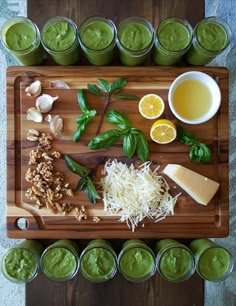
[{"x": 48, "y": 186}]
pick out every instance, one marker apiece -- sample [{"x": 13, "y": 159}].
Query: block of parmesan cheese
[{"x": 199, "y": 187}]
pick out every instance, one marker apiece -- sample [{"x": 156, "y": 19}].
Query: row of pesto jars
[
  {"x": 98, "y": 37},
  {"x": 136, "y": 261}
]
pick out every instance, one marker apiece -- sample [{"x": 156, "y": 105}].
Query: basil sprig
[
  {"x": 134, "y": 141},
  {"x": 107, "y": 90},
  {"x": 85, "y": 183},
  {"x": 84, "y": 119},
  {"x": 199, "y": 151}
]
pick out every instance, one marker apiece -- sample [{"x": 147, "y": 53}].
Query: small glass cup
[
  {"x": 136, "y": 261},
  {"x": 60, "y": 260},
  {"x": 175, "y": 261},
  {"x": 214, "y": 263},
  {"x": 211, "y": 37},
  {"x": 97, "y": 37},
  {"x": 59, "y": 37},
  {"x": 20, "y": 264},
  {"x": 21, "y": 38},
  {"x": 173, "y": 39},
  {"x": 135, "y": 39},
  {"x": 98, "y": 261}
]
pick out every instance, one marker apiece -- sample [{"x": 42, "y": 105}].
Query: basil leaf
[
  {"x": 94, "y": 89},
  {"x": 75, "y": 167},
  {"x": 119, "y": 119},
  {"x": 105, "y": 140},
  {"x": 81, "y": 118},
  {"x": 91, "y": 191},
  {"x": 81, "y": 128},
  {"x": 81, "y": 184},
  {"x": 82, "y": 100},
  {"x": 200, "y": 153},
  {"x": 129, "y": 144},
  {"x": 118, "y": 84},
  {"x": 185, "y": 137},
  {"x": 207, "y": 156},
  {"x": 126, "y": 96},
  {"x": 105, "y": 85},
  {"x": 142, "y": 147}
]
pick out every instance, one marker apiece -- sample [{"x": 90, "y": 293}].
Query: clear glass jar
[
  {"x": 60, "y": 39},
  {"x": 97, "y": 37},
  {"x": 211, "y": 37},
  {"x": 135, "y": 39},
  {"x": 173, "y": 39},
  {"x": 175, "y": 261},
  {"x": 214, "y": 263},
  {"x": 98, "y": 261},
  {"x": 136, "y": 261},
  {"x": 60, "y": 260},
  {"x": 20, "y": 264},
  {"x": 21, "y": 38}
]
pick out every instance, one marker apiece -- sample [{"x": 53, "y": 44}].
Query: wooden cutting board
[{"x": 191, "y": 220}]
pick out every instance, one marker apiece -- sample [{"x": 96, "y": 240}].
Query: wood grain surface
[
  {"x": 78, "y": 10},
  {"x": 190, "y": 219},
  {"x": 117, "y": 292}
]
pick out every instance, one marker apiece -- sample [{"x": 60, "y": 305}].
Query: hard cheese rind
[{"x": 199, "y": 187}]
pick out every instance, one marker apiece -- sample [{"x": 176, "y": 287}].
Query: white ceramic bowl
[{"x": 209, "y": 82}]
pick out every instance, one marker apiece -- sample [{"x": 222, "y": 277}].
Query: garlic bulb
[
  {"x": 56, "y": 124},
  {"x": 59, "y": 84},
  {"x": 34, "y": 89},
  {"x": 44, "y": 103},
  {"x": 34, "y": 115}
]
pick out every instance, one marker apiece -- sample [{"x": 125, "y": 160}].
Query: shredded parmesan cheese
[{"x": 135, "y": 193}]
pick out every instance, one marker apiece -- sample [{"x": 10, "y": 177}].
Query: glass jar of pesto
[
  {"x": 135, "y": 38},
  {"x": 173, "y": 39},
  {"x": 60, "y": 260},
  {"x": 214, "y": 262},
  {"x": 97, "y": 37},
  {"x": 175, "y": 261},
  {"x": 21, "y": 38},
  {"x": 211, "y": 37},
  {"x": 59, "y": 37},
  {"x": 136, "y": 261},
  {"x": 20, "y": 264},
  {"x": 98, "y": 261}
]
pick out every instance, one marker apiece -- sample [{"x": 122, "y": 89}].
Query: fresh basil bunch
[
  {"x": 85, "y": 183},
  {"x": 134, "y": 141},
  {"x": 199, "y": 152},
  {"x": 108, "y": 90}
]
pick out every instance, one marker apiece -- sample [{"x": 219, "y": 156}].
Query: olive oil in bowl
[{"x": 194, "y": 97}]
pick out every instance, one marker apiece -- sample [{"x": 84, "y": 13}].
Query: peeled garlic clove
[
  {"x": 34, "y": 115},
  {"x": 56, "y": 124},
  {"x": 34, "y": 89},
  {"x": 59, "y": 84},
  {"x": 44, "y": 103}
]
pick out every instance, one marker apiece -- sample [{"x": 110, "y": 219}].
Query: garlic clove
[
  {"x": 34, "y": 115},
  {"x": 59, "y": 84},
  {"x": 56, "y": 124},
  {"x": 34, "y": 89},
  {"x": 44, "y": 103}
]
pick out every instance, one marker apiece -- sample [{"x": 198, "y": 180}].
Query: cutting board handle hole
[{"x": 22, "y": 223}]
